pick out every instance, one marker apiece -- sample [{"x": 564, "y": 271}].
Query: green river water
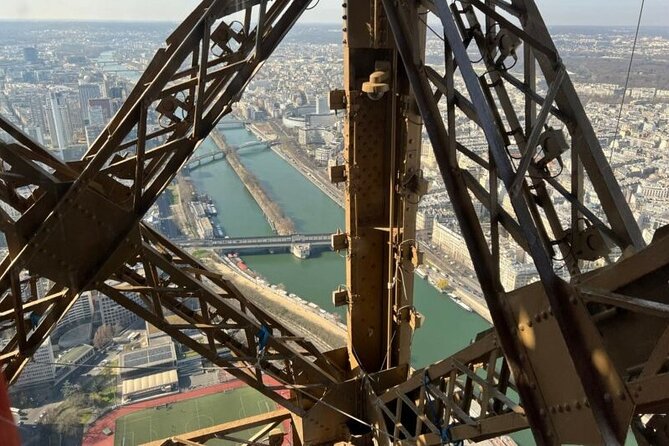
[{"x": 447, "y": 327}]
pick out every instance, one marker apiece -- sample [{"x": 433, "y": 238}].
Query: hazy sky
[{"x": 556, "y": 12}]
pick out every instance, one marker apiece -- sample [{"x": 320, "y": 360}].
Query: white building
[
  {"x": 86, "y": 93},
  {"x": 114, "y": 314},
  {"x": 80, "y": 312},
  {"x": 60, "y": 126},
  {"x": 424, "y": 222},
  {"x": 40, "y": 370},
  {"x": 515, "y": 275},
  {"x": 451, "y": 243}
]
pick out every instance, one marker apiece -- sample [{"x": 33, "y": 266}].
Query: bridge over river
[
  {"x": 271, "y": 243},
  {"x": 208, "y": 158}
]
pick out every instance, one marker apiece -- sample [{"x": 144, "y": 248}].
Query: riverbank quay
[{"x": 304, "y": 320}]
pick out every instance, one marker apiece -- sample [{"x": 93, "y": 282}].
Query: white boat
[
  {"x": 300, "y": 250},
  {"x": 463, "y": 305}
]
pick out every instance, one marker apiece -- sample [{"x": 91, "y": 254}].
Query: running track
[{"x": 95, "y": 437}]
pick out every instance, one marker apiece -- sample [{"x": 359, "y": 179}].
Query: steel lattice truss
[
  {"x": 584, "y": 348},
  {"x": 78, "y": 225}
]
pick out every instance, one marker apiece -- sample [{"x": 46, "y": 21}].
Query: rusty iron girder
[
  {"x": 268, "y": 423},
  {"x": 585, "y": 348},
  {"x": 77, "y": 226}
]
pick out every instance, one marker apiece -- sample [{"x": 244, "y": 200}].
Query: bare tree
[{"x": 103, "y": 336}]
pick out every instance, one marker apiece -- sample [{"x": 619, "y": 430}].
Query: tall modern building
[
  {"x": 60, "y": 126},
  {"x": 322, "y": 107},
  {"x": 37, "y": 113},
  {"x": 117, "y": 92},
  {"x": 100, "y": 105},
  {"x": 86, "y": 93},
  {"x": 40, "y": 370},
  {"x": 30, "y": 55},
  {"x": 81, "y": 311},
  {"x": 114, "y": 314}
]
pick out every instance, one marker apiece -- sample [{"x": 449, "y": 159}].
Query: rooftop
[
  {"x": 155, "y": 331},
  {"x": 149, "y": 356},
  {"x": 73, "y": 355},
  {"x": 150, "y": 382}
]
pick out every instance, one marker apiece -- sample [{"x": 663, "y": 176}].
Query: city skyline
[{"x": 593, "y": 13}]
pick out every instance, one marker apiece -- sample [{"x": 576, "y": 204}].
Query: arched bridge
[
  {"x": 208, "y": 158},
  {"x": 226, "y": 125}
]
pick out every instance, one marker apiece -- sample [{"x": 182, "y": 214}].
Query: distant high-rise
[
  {"x": 322, "y": 107},
  {"x": 96, "y": 116},
  {"x": 86, "y": 93},
  {"x": 114, "y": 314},
  {"x": 37, "y": 113},
  {"x": 30, "y": 55},
  {"x": 40, "y": 370},
  {"x": 116, "y": 92},
  {"x": 60, "y": 126},
  {"x": 105, "y": 104}
]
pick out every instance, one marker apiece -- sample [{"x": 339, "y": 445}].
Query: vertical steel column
[{"x": 382, "y": 155}]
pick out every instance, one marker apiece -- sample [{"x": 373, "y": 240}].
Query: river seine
[{"x": 447, "y": 327}]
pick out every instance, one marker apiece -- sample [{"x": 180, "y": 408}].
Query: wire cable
[
  {"x": 127, "y": 367},
  {"x": 353, "y": 417},
  {"x": 627, "y": 80},
  {"x": 431, "y": 29}
]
